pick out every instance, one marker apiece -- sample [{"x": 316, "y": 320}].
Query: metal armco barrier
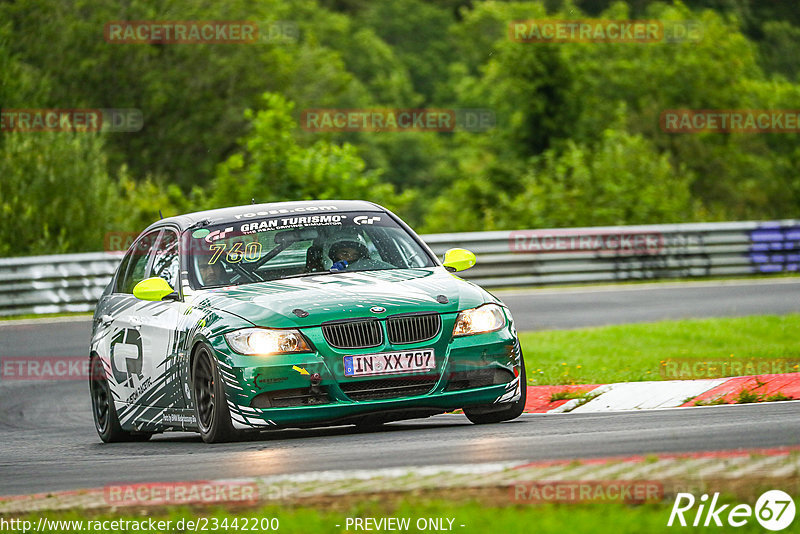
[
  {"x": 74, "y": 282},
  {"x": 52, "y": 284}
]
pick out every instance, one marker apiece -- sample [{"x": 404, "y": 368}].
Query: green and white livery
[{"x": 293, "y": 315}]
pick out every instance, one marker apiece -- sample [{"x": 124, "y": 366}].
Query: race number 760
[{"x": 239, "y": 251}]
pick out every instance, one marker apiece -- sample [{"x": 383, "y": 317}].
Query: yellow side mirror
[
  {"x": 155, "y": 288},
  {"x": 458, "y": 259}
]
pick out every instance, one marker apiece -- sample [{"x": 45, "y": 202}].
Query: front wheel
[
  {"x": 211, "y": 409},
  {"x": 104, "y": 412},
  {"x": 481, "y": 415}
]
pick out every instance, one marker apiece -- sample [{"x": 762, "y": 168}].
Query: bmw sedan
[{"x": 295, "y": 315}]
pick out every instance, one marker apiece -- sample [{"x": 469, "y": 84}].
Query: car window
[
  {"x": 294, "y": 255},
  {"x": 166, "y": 263},
  {"x": 397, "y": 250},
  {"x": 135, "y": 263},
  {"x": 278, "y": 247},
  {"x": 123, "y": 267}
]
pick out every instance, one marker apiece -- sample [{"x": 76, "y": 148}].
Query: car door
[
  {"x": 160, "y": 338},
  {"x": 131, "y": 373}
]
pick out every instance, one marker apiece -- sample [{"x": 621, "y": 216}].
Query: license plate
[{"x": 387, "y": 363}]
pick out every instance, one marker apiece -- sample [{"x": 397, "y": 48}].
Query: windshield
[{"x": 279, "y": 247}]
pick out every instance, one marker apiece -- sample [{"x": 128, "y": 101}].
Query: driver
[
  {"x": 213, "y": 274},
  {"x": 352, "y": 255},
  {"x": 346, "y": 253}
]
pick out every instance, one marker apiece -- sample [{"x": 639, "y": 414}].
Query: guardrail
[{"x": 74, "y": 282}]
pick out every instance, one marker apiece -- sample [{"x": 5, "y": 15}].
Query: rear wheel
[
  {"x": 213, "y": 416},
  {"x": 105, "y": 414},
  {"x": 481, "y": 415}
]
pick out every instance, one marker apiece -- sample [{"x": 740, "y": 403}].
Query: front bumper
[{"x": 311, "y": 389}]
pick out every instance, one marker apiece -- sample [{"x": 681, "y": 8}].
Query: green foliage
[
  {"x": 192, "y": 96},
  {"x": 779, "y": 48},
  {"x": 417, "y": 31},
  {"x": 37, "y": 221},
  {"x": 623, "y": 180},
  {"x": 577, "y": 140},
  {"x": 144, "y": 199},
  {"x": 272, "y": 166},
  {"x": 20, "y": 84}
]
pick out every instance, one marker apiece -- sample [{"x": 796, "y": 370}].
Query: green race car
[{"x": 295, "y": 314}]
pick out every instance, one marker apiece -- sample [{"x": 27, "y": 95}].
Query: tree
[
  {"x": 270, "y": 165},
  {"x": 56, "y": 194},
  {"x": 622, "y": 180}
]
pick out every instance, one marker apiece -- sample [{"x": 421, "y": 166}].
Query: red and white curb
[{"x": 658, "y": 394}]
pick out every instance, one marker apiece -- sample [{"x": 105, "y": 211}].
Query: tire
[
  {"x": 210, "y": 406},
  {"x": 106, "y": 421},
  {"x": 482, "y": 415}
]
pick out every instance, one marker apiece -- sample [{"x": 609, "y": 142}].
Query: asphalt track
[
  {"x": 638, "y": 303},
  {"x": 48, "y": 442}
]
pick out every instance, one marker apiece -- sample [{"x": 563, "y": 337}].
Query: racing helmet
[{"x": 339, "y": 245}]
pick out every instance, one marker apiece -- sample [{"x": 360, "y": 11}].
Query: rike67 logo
[{"x": 774, "y": 510}]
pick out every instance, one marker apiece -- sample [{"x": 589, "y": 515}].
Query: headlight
[
  {"x": 486, "y": 318},
  {"x": 261, "y": 341}
]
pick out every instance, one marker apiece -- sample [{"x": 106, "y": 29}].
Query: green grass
[
  {"x": 716, "y": 401},
  {"x": 565, "y": 395},
  {"x": 476, "y": 517},
  {"x": 747, "y": 396},
  {"x": 632, "y": 353},
  {"x": 581, "y": 396}
]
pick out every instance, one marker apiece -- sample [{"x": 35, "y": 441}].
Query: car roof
[{"x": 258, "y": 211}]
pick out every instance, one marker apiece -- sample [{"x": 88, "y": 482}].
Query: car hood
[{"x": 328, "y": 297}]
